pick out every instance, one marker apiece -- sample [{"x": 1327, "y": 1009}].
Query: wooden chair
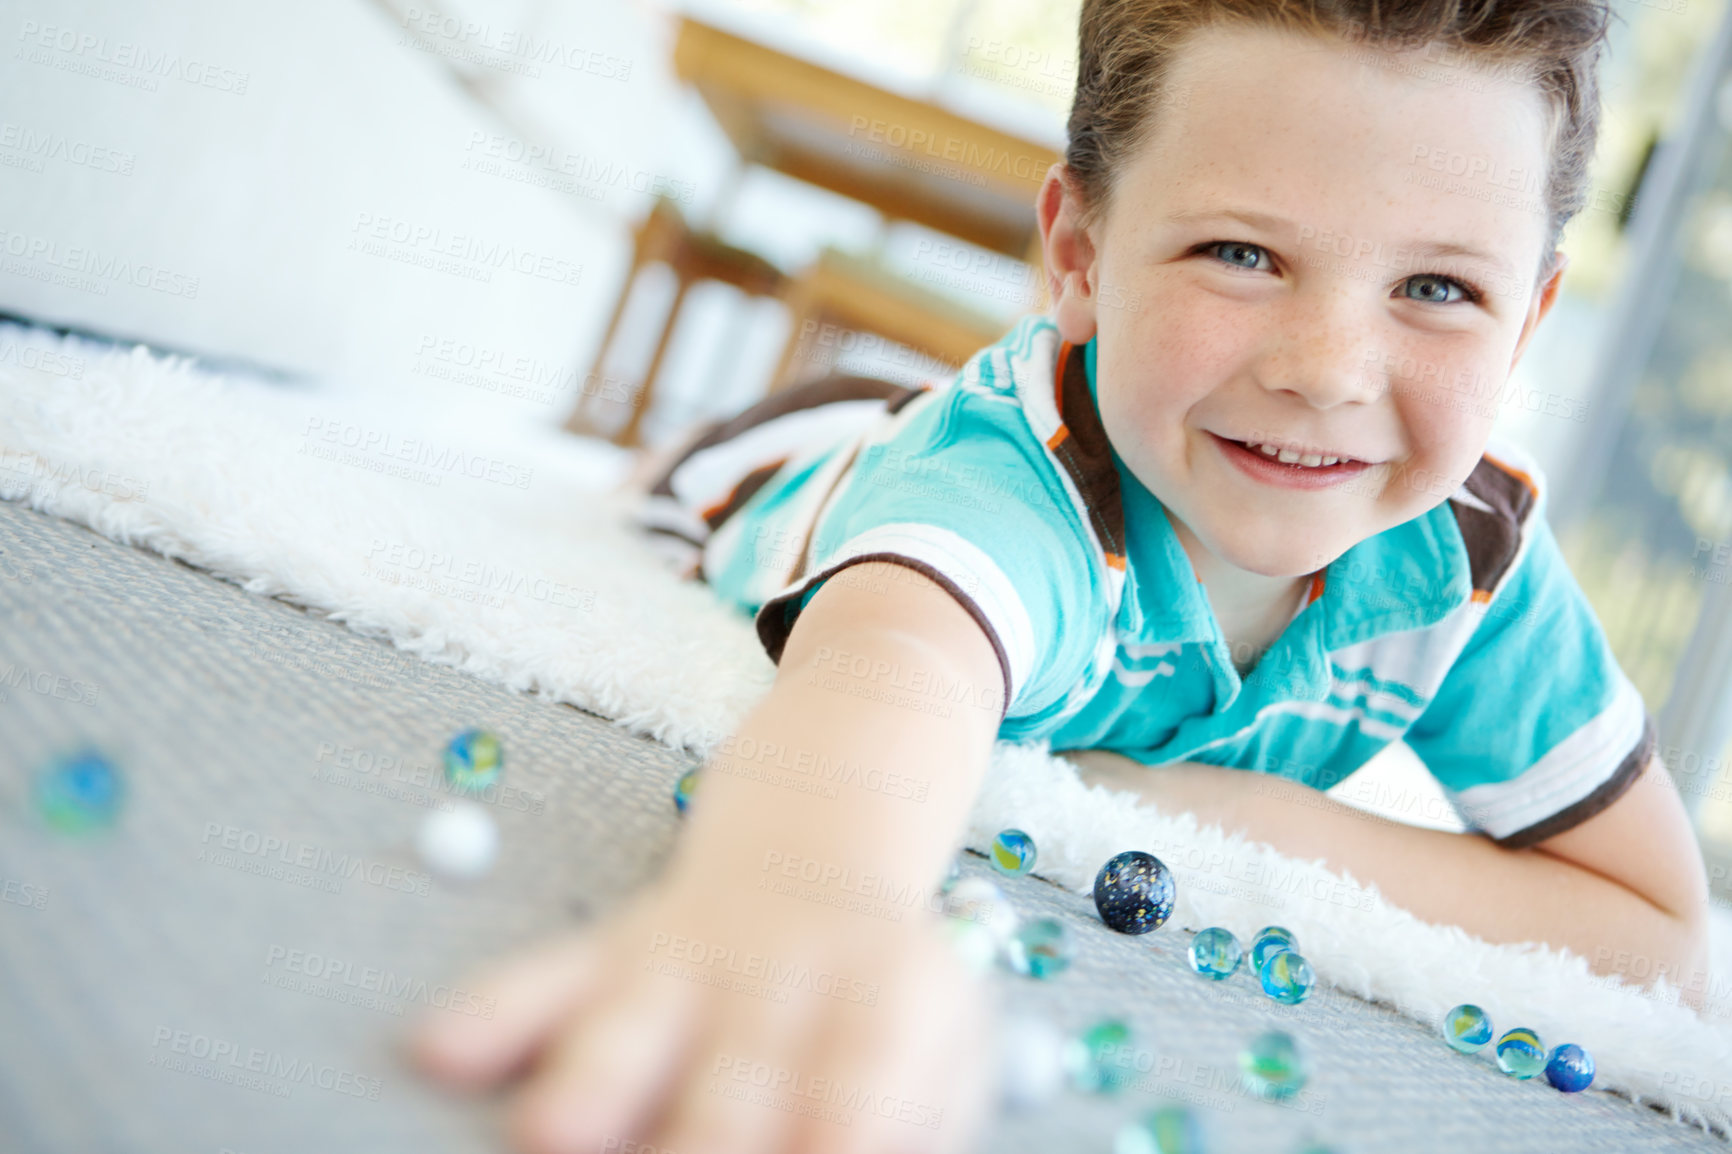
[
  {"x": 841, "y": 293},
  {"x": 664, "y": 237}
]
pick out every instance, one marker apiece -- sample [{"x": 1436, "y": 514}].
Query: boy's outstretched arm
[
  {"x": 784, "y": 971},
  {"x": 1625, "y": 889}
]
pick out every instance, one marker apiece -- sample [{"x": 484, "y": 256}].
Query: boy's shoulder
[{"x": 1497, "y": 510}]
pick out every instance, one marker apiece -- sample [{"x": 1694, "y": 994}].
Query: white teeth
[{"x": 1294, "y": 457}]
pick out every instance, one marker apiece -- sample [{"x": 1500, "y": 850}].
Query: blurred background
[{"x": 618, "y": 218}]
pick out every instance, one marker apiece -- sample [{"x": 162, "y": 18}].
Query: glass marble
[
  {"x": 1100, "y": 1061},
  {"x": 80, "y": 792},
  {"x": 1134, "y": 892},
  {"x": 1172, "y": 1129},
  {"x": 1271, "y": 940},
  {"x": 683, "y": 789},
  {"x": 1520, "y": 1053},
  {"x": 1466, "y": 1028},
  {"x": 979, "y": 901},
  {"x": 1287, "y": 977},
  {"x": 1570, "y": 1068},
  {"x": 458, "y": 843},
  {"x": 1031, "y": 1064},
  {"x": 973, "y": 942},
  {"x": 1273, "y": 1065},
  {"x": 1012, "y": 853},
  {"x": 1042, "y": 948},
  {"x": 1215, "y": 953},
  {"x": 473, "y": 759}
]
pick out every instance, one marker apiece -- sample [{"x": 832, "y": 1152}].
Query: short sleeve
[
  {"x": 964, "y": 494},
  {"x": 1535, "y": 728}
]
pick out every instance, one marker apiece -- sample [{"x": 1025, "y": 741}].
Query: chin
[{"x": 1284, "y": 556}]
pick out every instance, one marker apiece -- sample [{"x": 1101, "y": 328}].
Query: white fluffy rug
[{"x": 505, "y": 557}]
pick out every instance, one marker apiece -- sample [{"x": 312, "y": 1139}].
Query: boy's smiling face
[{"x": 1271, "y": 269}]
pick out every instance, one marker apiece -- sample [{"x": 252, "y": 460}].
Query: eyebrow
[{"x": 1433, "y": 249}]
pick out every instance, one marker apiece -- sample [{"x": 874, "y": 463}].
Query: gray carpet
[{"x": 243, "y": 719}]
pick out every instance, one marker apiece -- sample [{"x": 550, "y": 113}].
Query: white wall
[{"x": 282, "y": 165}]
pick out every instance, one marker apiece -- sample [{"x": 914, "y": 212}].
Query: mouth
[{"x": 1288, "y": 465}]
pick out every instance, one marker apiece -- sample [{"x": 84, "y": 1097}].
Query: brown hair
[{"x": 1125, "y": 48}]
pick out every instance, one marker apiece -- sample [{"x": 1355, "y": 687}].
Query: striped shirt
[{"x": 1460, "y": 632}]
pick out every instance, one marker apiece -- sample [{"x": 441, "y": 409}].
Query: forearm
[
  {"x": 1467, "y": 880},
  {"x": 832, "y": 769}
]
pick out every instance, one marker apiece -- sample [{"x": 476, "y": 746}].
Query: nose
[{"x": 1321, "y": 350}]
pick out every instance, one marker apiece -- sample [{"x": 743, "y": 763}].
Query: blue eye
[
  {"x": 1237, "y": 252},
  {"x": 1438, "y": 289}
]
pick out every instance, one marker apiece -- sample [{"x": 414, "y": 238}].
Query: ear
[
  {"x": 1072, "y": 279},
  {"x": 1542, "y": 305}
]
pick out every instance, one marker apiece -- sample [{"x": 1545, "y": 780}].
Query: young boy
[{"x": 1227, "y": 508}]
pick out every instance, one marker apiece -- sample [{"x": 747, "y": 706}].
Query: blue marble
[
  {"x": 1215, "y": 953},
  {"x": 1101, "y": 1060},
  {"x": 1273, "y": 1065},
  {"x": 1012, "y": 853},
  {"x": 1134, "y": 892},
  {"x": 1271, "y": 940},
  {"x": 1042, "y": 948},
  {"x": 1466, "y": 1028},
  {"x": 683, "y": 789},
  {"x": 1570, "y": 1068},
  {"x": 1287, "y": 977},
  {"x": 473, "y": 759},
  {"x": 1520, "y": 1054},
  {"x": 1172, "y": 1129},
  {"x": 80, "y": 792}
]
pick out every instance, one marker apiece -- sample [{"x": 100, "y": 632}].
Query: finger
[
  {"x": 530, "y": 997},
  {"x": 885, "y": 1093},
  {"x": 722, "y": 1107},
  {"x": 607, "y": 1071},
  {"x": 964, "y": 1058}
]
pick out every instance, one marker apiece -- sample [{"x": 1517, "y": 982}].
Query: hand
[{"x": 712, "y": 1016}]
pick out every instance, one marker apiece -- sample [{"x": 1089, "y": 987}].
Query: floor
[{"x": 238, "y": 720}]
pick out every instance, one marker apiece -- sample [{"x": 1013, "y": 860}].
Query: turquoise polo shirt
[{"x": 1460, "y": 632}]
